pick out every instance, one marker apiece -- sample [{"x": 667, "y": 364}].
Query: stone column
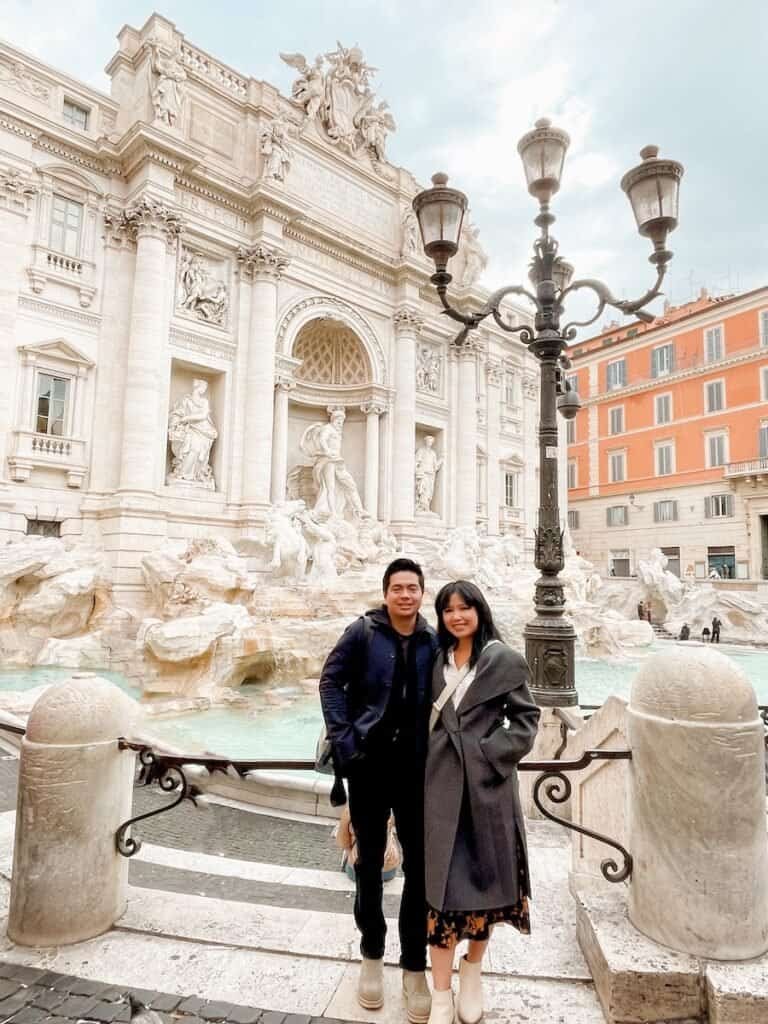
[
  {"x": 372, "y": 411},
  {"x": 16, "y": 198},
  {"x": 75, "y": 790},
  {"x": 283, "y": 388},
  {"x": 265, "y": 265},
  {"x": 155, "y": 226},
  {"x": 493, "y": 376},
  {"x": 466, "y": 427},
  {"x": 408, "y": 324},
  {"x": 697, "y": 807}
]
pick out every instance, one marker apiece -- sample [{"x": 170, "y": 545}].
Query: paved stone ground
[{"x": 29, "y": 995}]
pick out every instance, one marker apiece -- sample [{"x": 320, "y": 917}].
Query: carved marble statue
[
  {"x": 428, "y": 370},
  {"x": 337, "y": 492},
  {"x": 168, "y": 86},
  {"x": 428, "y": 464},
  {"x": 191, "y": 432},
  {"x": 475, "y": 259},
  {"x": 336, "y": 90},
  {"x": 410, "y": 233},
  {"x": 276, "y": 147},
  {"x": 321, "y": 542},
  {"x": 289, "y": 547},
  {"x": 201, "y": 293}
]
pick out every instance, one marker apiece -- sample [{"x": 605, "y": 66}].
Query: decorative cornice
[
  {"x": 217, "y": 348},
  {"x": 59, "y": 312},
  {"x": 408, "y": 321},
  {"x": 262, "y": 260},
  {"x": 16, "y": 191}
]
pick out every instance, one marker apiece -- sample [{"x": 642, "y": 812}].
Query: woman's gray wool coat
[{"x": 472, "y": 814}]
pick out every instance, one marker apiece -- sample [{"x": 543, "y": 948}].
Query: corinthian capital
[
  {"x": 148, "y": 216},
  {"x": 262, "y": 260},
  {"x": 408, "y": 320}
]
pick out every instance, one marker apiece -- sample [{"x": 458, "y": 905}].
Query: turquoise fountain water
[{"x": 258, "y": 728}]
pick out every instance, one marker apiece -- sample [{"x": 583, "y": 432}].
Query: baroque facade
[
  {"x": 196, "y": 269},
  {"x": 671, "y": 449}
]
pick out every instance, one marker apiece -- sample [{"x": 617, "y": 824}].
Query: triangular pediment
[{"x": 59, "y": 349}]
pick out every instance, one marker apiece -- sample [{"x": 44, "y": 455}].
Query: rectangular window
[
  {"x": 616, "y": 515},
  {"x": 66, "y": 222},
  {"x": 663, "y": 406},
  {"x": 51, "y": 404},
  {"x": 764, "y": 328},
  {"x": 616, "y": 467},
  {"x": 764, "y": 382},
  {"x": 718, "y": 506},
  {"x": 664, "y": 511},
  {"x": 570, "y": 431},
  {"x": 665, "y": 459},
  {"x": 572, "y": 473},
  {"x": 673, "y": 560},
  {"x": 75, "y": 115},
  {"x": 616, "y": 420},
  {"x": 619, "y": 563},
  {"x": 713, "y": 344},
  {"x": 511, "y": 490},
  {"x": 43, "y": 528},
  {"x": 762, "y": 440},
  {"x": 663, "y": 360},
  {"x": 616, "y": 374},
  {"x": 716, "y": 450},
  {"x": 714, "y": 392},
  {"x": 573, "y": 519}
]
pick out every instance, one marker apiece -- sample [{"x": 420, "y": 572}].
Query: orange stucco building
[{"x": 671, "y": 447}]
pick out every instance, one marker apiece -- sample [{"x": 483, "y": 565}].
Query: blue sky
[{"x": 465, "y": 80}]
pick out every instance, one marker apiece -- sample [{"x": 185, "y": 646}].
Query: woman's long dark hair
[{"x": 472, "y": 596}]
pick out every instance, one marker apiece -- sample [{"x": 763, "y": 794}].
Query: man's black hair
[
  {"x": 473, "y": 597},
  {"x": 402, "y": 565}
]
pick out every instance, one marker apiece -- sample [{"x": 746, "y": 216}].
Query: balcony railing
[
  {"x": 752, "y": 467},
  {"x": 52, "y": 265},
  {"x": 47, "y": 451}
]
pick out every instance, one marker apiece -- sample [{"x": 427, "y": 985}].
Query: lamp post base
[{"x": 549, "y": 650}]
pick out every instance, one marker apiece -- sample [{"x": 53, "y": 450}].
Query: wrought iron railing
[{"x": 168, "y": 771}]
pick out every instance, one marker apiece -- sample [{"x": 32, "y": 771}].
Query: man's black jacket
[{"x": 356, "y": 681}]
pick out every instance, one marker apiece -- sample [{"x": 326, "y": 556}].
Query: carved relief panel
[
  {"x": 429, "y": 369},
  {"x": 203, "y": 286}
]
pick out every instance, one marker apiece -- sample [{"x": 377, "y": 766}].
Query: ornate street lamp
[{"x": 652, "y": 188}]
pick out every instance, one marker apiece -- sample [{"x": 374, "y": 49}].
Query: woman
[{"x": 483, "y": 722}]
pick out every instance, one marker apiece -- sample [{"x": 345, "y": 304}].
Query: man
[
  {"x": 685, "y": 632},
  {"x": 375, "y": 691},
  {"x": 716, "y": 624}
]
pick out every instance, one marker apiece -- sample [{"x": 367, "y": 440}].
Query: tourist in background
[
  {"x": 685, "y": 632},
  {"x": 705, "y": 635},
  {"x": 375, "y": 691},
  {"x": 483, "y": 722},
  {"x": 716, "y": 624}
]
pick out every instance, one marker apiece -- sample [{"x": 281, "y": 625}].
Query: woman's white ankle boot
[
  {"x": 469, "y": 1007},
  {"x": 442, "y": 1011}
]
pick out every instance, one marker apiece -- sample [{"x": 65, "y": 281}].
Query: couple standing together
[{"x": 430, "y": 727}]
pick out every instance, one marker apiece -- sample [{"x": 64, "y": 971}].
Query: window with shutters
[
  {"x": 617, "y": 467},
  {"x": 663, "y": 360},
  {"x": 573, "y": 519},
  {"x": 764, "y": 382},
  {"x": 717, "y": 449},
  {"x": 664, "y": 511},
  {"x": 616, "y": 374},
  {"x": 512, "y": 490},
  {"x": 764, "y": 328},
  {"x": 573, "y": 474},
  {"x": 714, "y": 395},
  {"x": 616, "y": 515},
  {"x": 665, "y": 458},
  {"x": 718, "y": 506},
  {"x": 663, "y": 409},
  {"x": 570, "y": 431},
  {"x": 762, "y": 440},
  {"x": 714, "y": 348},
  {"x": 616, "y": 420},
  {"x": 619, "y": 563}
]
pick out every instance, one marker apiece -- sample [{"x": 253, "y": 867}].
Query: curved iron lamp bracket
[
  {"x": 606, "y": 298},
  {"x": 558, "y": 790}
]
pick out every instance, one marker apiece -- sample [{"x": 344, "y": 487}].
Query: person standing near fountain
[
  {"x": 483, "y": 722},
  {"x": 375, "y": 691}
]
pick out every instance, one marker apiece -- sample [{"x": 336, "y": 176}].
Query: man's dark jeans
[{"x": 377, "y": 787}]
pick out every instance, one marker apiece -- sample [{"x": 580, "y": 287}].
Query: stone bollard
[
  {"x": 75, "y": 790},
  {"x": 697, "y": 821}
]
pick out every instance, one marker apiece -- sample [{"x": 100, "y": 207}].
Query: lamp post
[{"x": 652, "y": 188}]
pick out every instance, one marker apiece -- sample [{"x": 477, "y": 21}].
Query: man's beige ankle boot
[
  {"x": 370, "y": 984},
  {"x": 469, "y": 1006},
  {"x": 417, "y": 998},
  {"x": 442, "y": 1011}
]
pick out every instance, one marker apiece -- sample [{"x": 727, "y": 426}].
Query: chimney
[{"x": 703, "y": 294}]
